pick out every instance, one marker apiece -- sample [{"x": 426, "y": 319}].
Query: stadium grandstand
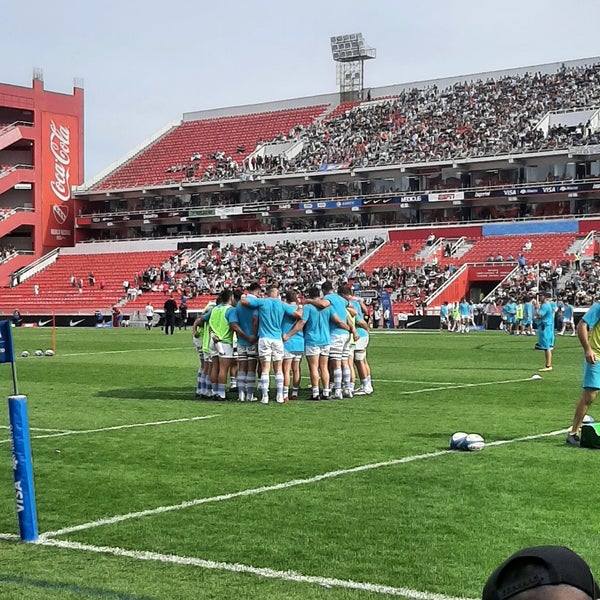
[{"x": 431, "y": 191}]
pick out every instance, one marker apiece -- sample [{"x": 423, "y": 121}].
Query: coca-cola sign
[
  {"x": 60, "y": 146},
  {"x": 60, "y": 166}
]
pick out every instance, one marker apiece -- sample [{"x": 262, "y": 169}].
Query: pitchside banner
[{"x": 60, "y": 170}]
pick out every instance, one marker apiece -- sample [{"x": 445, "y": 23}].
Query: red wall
[{"x": 441, "y": 231}]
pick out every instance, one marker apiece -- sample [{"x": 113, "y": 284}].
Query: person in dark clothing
[
  {"x": 170, "y": 308},
  {"x": 183, "y": 315}
]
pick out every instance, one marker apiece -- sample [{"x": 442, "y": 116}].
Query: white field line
[
  {"x": 414, "y": 381},
  {"x": 39, "y": 429},
  {"x": 271, "y": 488},
  {"x": 463, "y": 385},
  {"x": 116, "y": 428},
  {"x": 291, "y": 576},
  {"x": 190, "y": 347}
]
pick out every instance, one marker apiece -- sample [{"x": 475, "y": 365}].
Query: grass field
[{"x": 145, "y": 493}]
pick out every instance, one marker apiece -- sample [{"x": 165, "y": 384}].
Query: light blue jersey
[
  {"x": 244, "y": 317},
  {"x": 270, "y": 316},
  {"x": 316, "y": 328},
  {"x": 338, "y": 305},
  {"x": 296, "y": 342}
]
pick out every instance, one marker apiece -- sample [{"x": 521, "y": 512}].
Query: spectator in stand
[{"x": 91, "y": 279}]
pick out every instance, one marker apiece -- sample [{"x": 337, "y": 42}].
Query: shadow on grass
[
  {"x": 81, "y": 591},
  {"x": 150, "y": 393}
]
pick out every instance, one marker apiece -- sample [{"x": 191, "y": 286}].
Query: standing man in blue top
[
  {"x": 527, "y": 320},
  {"x": 511, "y": 315},
  {"x": 463, "y": 310},
  {"x": 243, "y": 321},
  {"x": 293, "y": 350},
  {"x": 317, "y": 340},
  {"x": 588, "y": 331},
  {"x": 568, "y": 319},
  {"x": 359, "y": 355},
  {"x": 444, "y": 316},
  {"x": 340, "y": 331},
  {"x": 271, "y": 311},
  {"x": 544, "y": 317}
]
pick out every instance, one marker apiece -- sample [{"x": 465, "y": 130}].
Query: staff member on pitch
[
  {"x": 170, "y": 308},
  {"x": 544, "y": 316}
]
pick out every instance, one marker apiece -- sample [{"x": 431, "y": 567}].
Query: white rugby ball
[
  {"x": 588, "y": 419},
  {"x": 456, "y": 439},
  {"x": 39, "y": 353},
  {"x": 473, "y": 442},
  {"x": 49, "y": 352},
  {"x": 24, "y": 354}
]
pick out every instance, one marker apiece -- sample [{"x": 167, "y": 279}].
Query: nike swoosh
[
  {"x": 414, "y": 322},
  {"x": 73, "y": 323},
  {"x": 42, "y": 323}
]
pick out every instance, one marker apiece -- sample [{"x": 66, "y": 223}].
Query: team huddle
[{"x": 242, "y": 333}]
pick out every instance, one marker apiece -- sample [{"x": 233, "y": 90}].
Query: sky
[{"x": 145, "y": 63}]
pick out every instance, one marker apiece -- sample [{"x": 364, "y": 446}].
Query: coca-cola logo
[
  {"x": 60, "y": 146},
  {"x": 60, "y": 213}
]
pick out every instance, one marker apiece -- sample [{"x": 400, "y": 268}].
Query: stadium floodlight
[{"x": 350, "y": 51}]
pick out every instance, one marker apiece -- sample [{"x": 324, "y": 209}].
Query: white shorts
[
  {"x": 293, "y": 356},
  {"x": 226, "y": 350},
  {"x": 270, "y": 349},
  {"x": 317, "y": 350},
  {"x": 340, "y": 346},
  {"x": 247, "y": 352}
]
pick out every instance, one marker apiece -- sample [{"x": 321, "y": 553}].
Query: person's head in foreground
[{"x": 542, "y": 573}]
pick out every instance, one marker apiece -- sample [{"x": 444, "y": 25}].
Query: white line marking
[
  {"x": 125, "y": 351},
  {"x": 412, "y": 381},
  {"x": 38, "y": 429},
  {"x": 292, "y": 576},
  {"x": 463, "y": 385},
  {"x": 117, "y": 427},
  {"x": 271, "y": 488},
  {"x": 9, "y": 537}
]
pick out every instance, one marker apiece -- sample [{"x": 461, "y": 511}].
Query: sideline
[{"x": 291, "y": 576}]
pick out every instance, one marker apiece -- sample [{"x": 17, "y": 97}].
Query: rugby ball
[
  {"x": 588, "y": 419},
  {"x": 49, "y": 352},
  {"x": 472, "y": 443},
  {"x": 456, "y": 439},
  {"x": 24, "y": 354},
  {"x": 39, "y": 353}
]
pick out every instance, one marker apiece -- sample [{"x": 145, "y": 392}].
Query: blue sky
[{"x": 146, "y": 63}]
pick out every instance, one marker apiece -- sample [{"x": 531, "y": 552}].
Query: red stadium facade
[{"x": 41, "y": 159}]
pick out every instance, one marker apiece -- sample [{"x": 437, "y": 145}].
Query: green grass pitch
[{"x": 145, "y": 493}]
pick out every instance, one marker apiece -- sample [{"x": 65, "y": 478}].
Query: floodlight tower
[{"x": 350, "y": 52}]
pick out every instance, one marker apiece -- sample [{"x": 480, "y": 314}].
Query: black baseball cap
[{"x": 542, "y": 565}]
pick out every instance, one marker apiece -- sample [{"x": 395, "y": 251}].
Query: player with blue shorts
[
  {"x": 588, "y": 331},
  {"x": 544, "y": 317}
]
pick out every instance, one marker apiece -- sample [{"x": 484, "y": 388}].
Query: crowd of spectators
[
  {"x": 469, "y": 119},
  {"x": 577, "y": 282},
  {"x": 289, "y": 265}
]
